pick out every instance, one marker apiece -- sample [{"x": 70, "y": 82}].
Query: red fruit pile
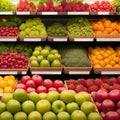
[
  {"x": 103, "y": 6},
  {"x": 9, "y": 31},
  {"x": 37, "y": 84},
  {"x": 91, "y": 85},
  {"x": 9, "y": 60},
  {"x": 26, "y": 6},
  {"x": 108, "y": 103},
  {"x": 64, "y": 7}
]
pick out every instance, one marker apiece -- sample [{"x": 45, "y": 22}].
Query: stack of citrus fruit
[
  {"x": 7, "y": 84},
  {"x": 106, "y": 26},
  {"x": 105, "y": 56}
]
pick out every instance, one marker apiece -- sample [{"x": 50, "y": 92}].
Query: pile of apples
[
  {"x": 108, "y": 103},
  {"x": 92, "y": 85},
  {"x": 9, "y": 31},
  {"x": 37, "y": 84}
]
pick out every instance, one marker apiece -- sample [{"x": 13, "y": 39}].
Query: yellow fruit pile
[
  {"x": 105, "y": 56},
  {"x": 106, "y": 26},
  {"x": 7, "y": 84}
]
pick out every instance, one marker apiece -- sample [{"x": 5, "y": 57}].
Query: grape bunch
[
  {"x": 33, "y": 28},
  {"x": 7, "y": 5},
  {"x": 79, "y": 27}
]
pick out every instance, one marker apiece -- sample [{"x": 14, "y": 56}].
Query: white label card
[
  {"x": 110, "y": 72},
  {"x": 79, "y": 72},
  {"x": 83, "y": 39},
  {"x": 23, "y": 13},
  {"x": 59, "y": 39},
  {"x": 78, "y": 13},
  {"x": 47, "y": 72},
  {"x": 32, "y": 39},
  {"x": 6, "y": 13},
  {"x": 108, "y": 39},
  {"x": 8, "y": 72},
  {"x": 8, "y": 39},
  {"x": 49, "y": 13},
  {"x": 103, "y": 13}
]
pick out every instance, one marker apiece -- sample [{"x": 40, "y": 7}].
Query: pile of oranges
[
  {"x": 105, "y": 26},
  {"x": 7, "y": 84},
  {"x": 105, "y": 57}
]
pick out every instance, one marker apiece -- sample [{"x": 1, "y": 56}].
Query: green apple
[
  {"x": 49, "y": 116},
  {"x": 20, "y": 95},
  {"x": 70, "y": 107},
  {"x": 78, "y": 115},
  {"x": 67, "y": 96},
  {"x": 28, "y": 106},
  {"x": 6, "y": 116},
  {"x": 86, "y": 95},
  {"x": 87, "y": 107},
  {"x": 34, "y": 97},
  {"x": 52, "y": 96},
  {"x": 79, "y": 98},
  {"x": 6, "y": 97},
  {"x": 34, "y": 115},
  {"x": 39, "y": 48},
  {"x": 42, "y": 96},
  {"x": 94, "y": 116},
  {"x": 36, "y": 53},
  {"x": 2, "y": 107},
  {"x": 58, "y": 106},
  {"x": 34, "y": 63},
  {"x": 58, "y": 56},
  {"x": 44, "y": 63},
  {"x": 40, "y": 58},
  {"x": 20, "y": 116},
  {"x": 56, "y": 63},
  {"x": 54, "y": 51},
  {"x": 47, "y": 47},
  {"x": 13, "y": 106},
  {"x": 43, "y": 106},
  {"x": 44, "y": 52},
  {"x": 33, "y": 58},
  {"x": 63, "y": 116},
  {"x": 51, "y": 57}
]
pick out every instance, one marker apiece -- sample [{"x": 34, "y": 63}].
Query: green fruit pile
[
  {"x": 66, "y": 105},
  {"x": 7, "y": 5},
  {"x": 79, "y": 27},
  {"x": 33, "y": 28},
  {"x": 116, "y": 3},
  {"x": 74, "y": 56},
  {"x": 45, "y": 57},
  {"x": 57, "y": 30}
]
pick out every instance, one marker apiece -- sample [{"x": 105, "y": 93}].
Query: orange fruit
[
  {"x": 1, "y": 90},
  {"x": 8, "y": 89},
  {"x": 1, "y": 78},
  {"x": 97, "y": 66},
  {"x": 6, "y": 78},
  {"x": 102, "y": 63},
  {"x": 3, "y": 84},
  {"x": 108, "y": 66},
  {"x": 12, "y": 77},
  {"x": 11, "y": 83}
]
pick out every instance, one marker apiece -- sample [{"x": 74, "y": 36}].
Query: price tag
[
  {"x": 23, "y": 13},
  {"x": 8, "y": 72},
  {"x": 49, "y": 13},
  {"x": 79, "y": 72},
  {"x": 78, "y": 13},
  {"x": 60, "y": 39},
  {"x": 47, "y": 72},
  {"x": 32, "y": 39},
  {"x": 110, "y": 72},
  {"x": 24, "y": 72},
  {"x": 108, "y": 39},
  {"x": 83, "y": 39},
  {"x": 103, "y": 13},
  {"x": 8, "y": 39},
  {"x": 6, "y": 13}
]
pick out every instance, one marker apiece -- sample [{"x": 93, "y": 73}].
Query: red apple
[
  {"x": 29, "y": 90},
  {"x": 60, "y": 89},
  {"x": 112, "y": 115},
  {"x": 58, "y": 83},
  {"x": 41, "y": 89},
  {"x": 20, "y": 85},
  {"x": 99, "y": 106},
  {"x": 102, "y": 115},
  {"x": 118, "y": 79},
  {"x": 37, "y": 79},
  {"x": 108, "y": 105},
  {"x": 82, "y": 81},
  {"x": 48, "y": 83},
  {"x": 25, "y": 78},
  {"x": 114, "y": 95},
  {"x": 30, "y": 83},
  {"x": 52, "y": 89},
  {"x": 105, "y": 79},
  {"x": 118, "y": 104}
]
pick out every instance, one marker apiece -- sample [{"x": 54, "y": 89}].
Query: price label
[
  {"x": 83, "y": 39},
  {"x": 47, "y": 72},
  {"x": 49, "y": 13},
  {"x": 110, "y": 72},
  {"x": 8, "y": 72},
  {"x": 23, "y": 13},
  {"x": 32, "y": 39},
  {"x": 108, "y": 39},
  {"x": 24, "y": 72},
  {"x": 6, "y": 13},
  {"x": 8, "y": 39},
  {"x": 78, "y": 13},
  {"x": 60, "y": 39},
  {"x": 103, "y": 13},
  {"x": 79, "y": 72}
]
